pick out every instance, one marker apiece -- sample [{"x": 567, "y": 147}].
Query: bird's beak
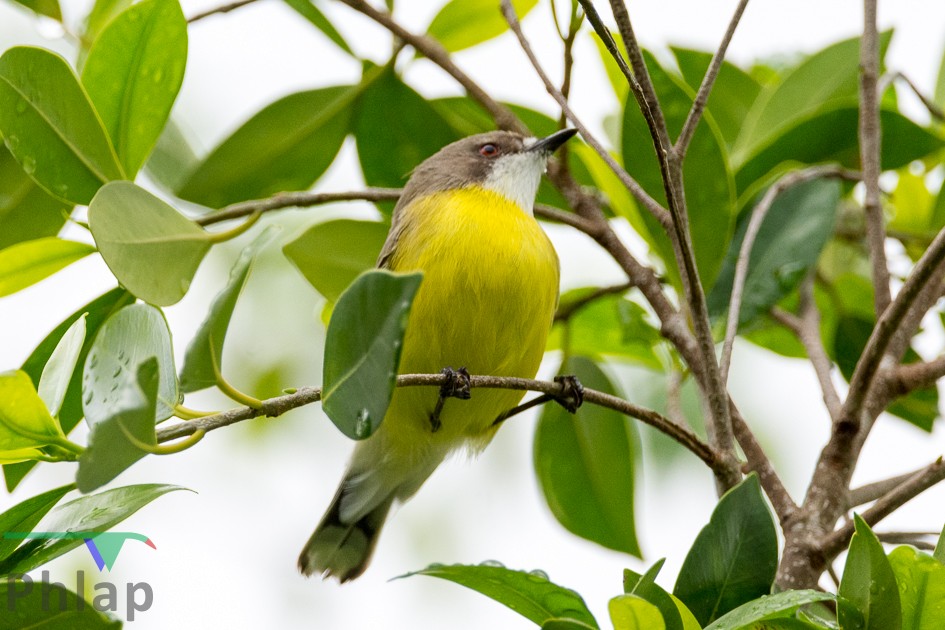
[{"x": 550, "y": 143}]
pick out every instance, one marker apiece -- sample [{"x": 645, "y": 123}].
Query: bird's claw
[{"x": 572, "y": 392}]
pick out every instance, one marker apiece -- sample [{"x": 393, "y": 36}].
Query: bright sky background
[{"x": 225, "y": 557}]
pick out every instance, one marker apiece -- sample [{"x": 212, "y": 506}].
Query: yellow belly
[{"x": 486, "y": 303}]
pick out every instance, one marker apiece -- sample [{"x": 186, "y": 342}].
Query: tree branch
[
  {"x": 889, "y": 503},
  {"x": 873, "y": 491},
  {"x": 301, "y": 199},
  {"x": 934, "y": 110},
  {"x": 226, "y": 8},
  {"x": 870, "y": 155},
  {"x": 702, "y": 96},
  {"x": 277, "y": 406},
  {"x": 432, "y": 50},
  {"x": 566, "y": 311}
]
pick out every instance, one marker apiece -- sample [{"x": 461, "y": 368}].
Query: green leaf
[
  {"x": 388, "y": 153},
  {"x": 126, "y": 340},
  {"x": 23, "y": 516},
  {"x": 869, "y": 584},
  {"x": 674, "y": 613},
  {"x": 288, "y": 145},
  {"x": 824, "y": 78},
  {"x": 629, "y": 612},
  {"x": 28, "y": 606},
  {"x": 49, "y": 8},
  {"x": 794, "y": 232},
  {"x": 102, "y": 13},
  {"x": 24, "y": 420},
  {"x": 61, "y": 365},
  {"x": 92, "y": 513},
  {"x": 530, "y": 594},
  {"x": 308, "y": 10},
  {"x": 585, "y": 465},
  {"x": 710, "y": 195},
  {"x": 50, "y": 127},
  {"x": 939, "y": 553},
  {"x": 27, "y": 212},
  {"x": 95, "y": 313},
  {"x": 173, "y": 158},
  {"x": 130, "y": 413},
  {"x": 25, "y": 264},
  {"x": 332, "y": 254},
  {"x": 939, "y": 97},
  {"x": 734, "y": 558},
  {"x": 133, "y": 73},
  {"x": 921, "y": 580},
  {"x": 565, "y": 624},
  {"x": 133, "y": 228},
  {"x": 362, "y": 350},
  {"x": 733, "y": 93},
  {"x": 614, "y": 327},
  {"x": 206, "y": 348},
  {"x": 760, "y": 609},
  {"x": 464, "y": 23},
  {"x": 830, "y": 135}
]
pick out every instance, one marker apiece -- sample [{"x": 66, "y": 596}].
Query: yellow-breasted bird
[{"x": 486, "y": 302}]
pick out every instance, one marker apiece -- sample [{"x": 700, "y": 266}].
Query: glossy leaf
[
  {"x": 332, "y": 254},
  {"x": 748, "y": 614},
  {"x": 27, "y": 212},
  {"x": 585, "y": 465},
  {"x": 25, "y": 264},
  {"x": 31, "y": 608},
  {"x": 388, "y": 153},
  {"x": 308, "y": 10},
  {"x": 126, "y": 340},
  {"x": 91, "y": 513},
  {"x": 734, "y": 558},
  {"x": 131, "y": 412},
  {"x": 824, "y": 78},
  {"x": 23, "y": 516},
  {"x": 288, "y": 145},
  {"x": 710, "y": 195},
  {"x": 673, "y": 612},
  {"x": 830, "y": 135},
  {"x": 565, "y": 624},
  {"x": 868, "y": 584},
  {"x": 206, "y": 348},
  {"x": 733, "y": 93},
  {"x": 362, "y": 350},
  {"x": 613, "y": 327},
  {"x": 50, "y": 127},
  {"x": 133, "y": 73},
  {"x": 133, "y": 229},
  {"x": 795, "y": 230},
  {"x": 49, "y": 8},
  {"x": 530, "y": 594},
  {"x": 101, "y": 14},
  {"x": 462, "y": 24},
  {"x": 95, "y": 313},
  {"x": 24, "y": 420},
  {"x": 921, "y": 580},
  {"x": 629, "y": 612},
  {"x": 60, "y": 367}
]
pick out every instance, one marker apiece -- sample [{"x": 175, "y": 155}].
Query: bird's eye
[{"x": 488, "y": 150}]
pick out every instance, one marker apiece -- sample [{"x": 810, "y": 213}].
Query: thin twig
[
  {"x": 300, "y": 199},
  {"x": 886, "y": 505},
  {"x": 934, "y": 110},
  {"x": 702, "y": 96},
  {"x": 758, "y": 214},
  {"x": 809, "y": 335},
  {"x": 650, "y": 204},
  {"x": 274, "y": 407},
  {"x": 566, "y": 311},
  {"x": 908, "y": 538},
  {"x": 870, "y": 155},
  {"x": 758, "y": 461},
  {"x": 226, "y": 8}
]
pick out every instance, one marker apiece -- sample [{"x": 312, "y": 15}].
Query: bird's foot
[
  {"x": 455, "y": 386},
  {"x": 572, "y": 392}
]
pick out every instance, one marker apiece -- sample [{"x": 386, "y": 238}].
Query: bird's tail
[{"x": 339, "y": 548}]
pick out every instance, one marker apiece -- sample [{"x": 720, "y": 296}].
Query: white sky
[{"x": 226, "y": 557}]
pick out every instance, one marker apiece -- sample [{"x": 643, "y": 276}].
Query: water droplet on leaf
[{"x": 362, "y": 427}]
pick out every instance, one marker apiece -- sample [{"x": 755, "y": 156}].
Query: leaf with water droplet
[
  {"x": 530, "y": 595},
  {"x": 133, "y": 105},
  {"x": 763, "y": 607},
  {"x": 868, "y": 584},
  {"x": 360, "y": 350}
]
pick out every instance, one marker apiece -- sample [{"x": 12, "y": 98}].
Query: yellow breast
[{"x": 486, "y": 303}]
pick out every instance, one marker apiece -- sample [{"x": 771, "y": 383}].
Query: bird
[{"x": 490, "y": 287}]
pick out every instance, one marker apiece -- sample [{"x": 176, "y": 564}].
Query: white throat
[{"x": 516, "y": 177}]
